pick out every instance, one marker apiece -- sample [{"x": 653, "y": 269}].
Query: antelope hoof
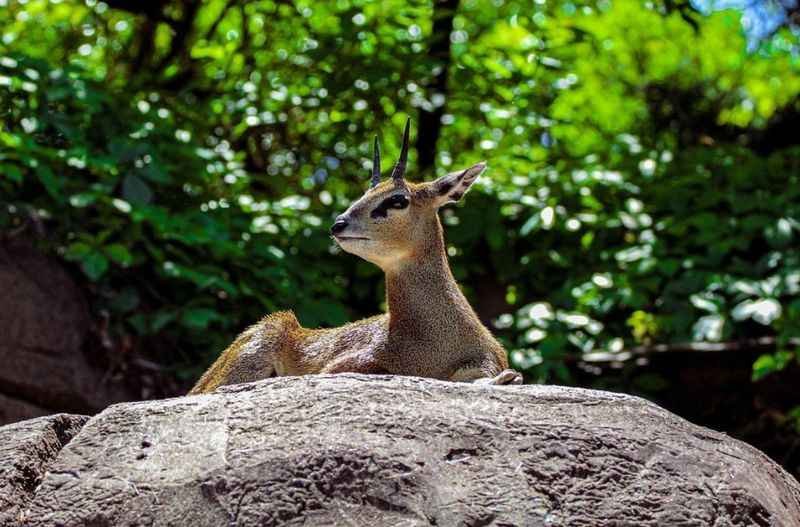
[{"x": 508, "y": 377}]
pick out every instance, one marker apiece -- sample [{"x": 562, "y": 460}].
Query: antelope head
[{"x": 395, "y": 221}]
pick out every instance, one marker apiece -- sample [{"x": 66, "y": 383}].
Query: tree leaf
[
  {"x": 119, "y": 254},
  {"x": 198, "y": 317},
  {"x": 51, "y": 183},
  {"x": 11, "y": 172},
  {"x": 135, "y": 190},
  {"x": 95, "y": 265}
]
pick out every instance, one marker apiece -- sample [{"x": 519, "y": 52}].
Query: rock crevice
[{"x": 27, "y": 449}]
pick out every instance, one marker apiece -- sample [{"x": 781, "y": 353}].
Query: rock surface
[
  {"x": 13, "y": 409},
  {"x": 44, "y": 322},
  {"x": 373, "y": 450},
  {"x": 26, "y": 451}
]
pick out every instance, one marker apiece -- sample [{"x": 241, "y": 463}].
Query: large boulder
[
  {"x": 13, "y": 409},
  {"x": 26, "y": 451},
  {"x": 45, "y": 323},
  {"x": 381, "y": 450}
]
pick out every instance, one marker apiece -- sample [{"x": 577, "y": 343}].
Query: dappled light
[{"x": 185, "y": 161}]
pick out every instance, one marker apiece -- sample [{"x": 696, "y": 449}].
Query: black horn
[
  {"x": 376, "y": 163},
  {"x": 400, "y": 168}
]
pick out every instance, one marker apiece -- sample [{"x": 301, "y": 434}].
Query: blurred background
[{"x": 169, "y": 170}]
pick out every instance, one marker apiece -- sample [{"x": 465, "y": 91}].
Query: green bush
[
  {"x": 191, "y": 176},
  {"x": 159, "y": 223}
]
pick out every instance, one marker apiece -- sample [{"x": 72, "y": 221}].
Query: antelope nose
[{"x": 338, "y": 227}]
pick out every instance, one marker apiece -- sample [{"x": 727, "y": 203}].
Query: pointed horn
[
  {"x": 400, "y": 168},
  {"x": 376, "y": 164}
]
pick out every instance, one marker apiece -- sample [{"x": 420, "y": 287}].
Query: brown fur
[{"x": 430, "y": 329}]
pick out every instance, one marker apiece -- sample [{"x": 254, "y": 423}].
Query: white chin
[{"x": 351, "y": 245}]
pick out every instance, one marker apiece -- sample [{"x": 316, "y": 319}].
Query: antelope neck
[{"x": 423, "y": 293}]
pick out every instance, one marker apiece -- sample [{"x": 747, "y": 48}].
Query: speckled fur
[{"x": 430, "y": 329}]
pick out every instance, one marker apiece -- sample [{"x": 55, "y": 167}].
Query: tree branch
[
  {"x": 153, "y": 9},
  {"x": 761, "y": 343},
  {"x": 430, "y": 121}
]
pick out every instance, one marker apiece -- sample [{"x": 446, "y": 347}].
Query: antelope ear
[{"x": 450, "y": 188}]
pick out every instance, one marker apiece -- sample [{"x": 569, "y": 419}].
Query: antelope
[{"x": 430, "y": 329}]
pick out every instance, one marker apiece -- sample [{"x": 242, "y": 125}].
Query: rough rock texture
[
  {"x": 370, "y": 450},
  {"x": 44, "y": 322},
  {"x": 26, "y": 451}
]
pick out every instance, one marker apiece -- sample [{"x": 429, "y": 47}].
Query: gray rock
[
  {"x": 13, "y": 409},
  {"x": 44, "y": 323},
  {"x": 26, "y": 451},
  {"x": 373, "y": 450}
]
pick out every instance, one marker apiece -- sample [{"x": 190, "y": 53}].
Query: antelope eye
[{"x": 398, "y": 201}]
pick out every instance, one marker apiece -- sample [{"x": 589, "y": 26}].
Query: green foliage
[
  {"x": 155, "y": 220},
  {"x": 191, "y": 179},
  {"x": 794, "y": 418}
]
